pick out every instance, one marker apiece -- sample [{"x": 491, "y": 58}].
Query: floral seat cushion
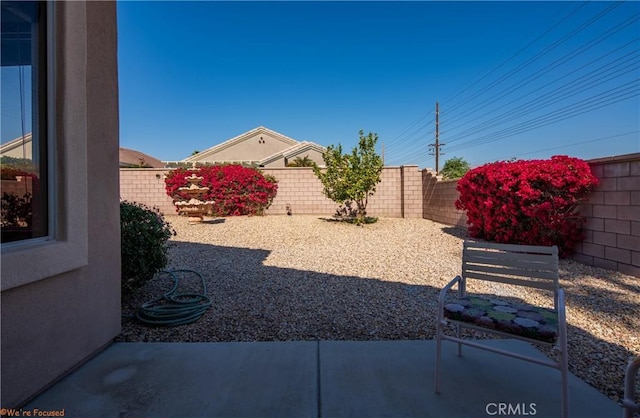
[{"x": 514, "y": 318}]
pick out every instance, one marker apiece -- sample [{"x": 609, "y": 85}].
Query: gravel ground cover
[{"x": 282, "y": 278}]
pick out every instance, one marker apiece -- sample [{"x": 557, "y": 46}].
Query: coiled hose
[{"x": 174, "y": 308}]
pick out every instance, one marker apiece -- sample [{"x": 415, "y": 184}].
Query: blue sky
[{"x": 513, "y": 79}]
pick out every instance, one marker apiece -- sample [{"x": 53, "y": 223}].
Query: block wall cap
[{"x": 615, "y": 159}]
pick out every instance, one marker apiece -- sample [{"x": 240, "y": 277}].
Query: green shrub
[
  {"x": 455, "y": 168},
  {"x": 347, "y": 213},
  {"x": 144, "y": 234},
  {"x": 351, "y": 178}
]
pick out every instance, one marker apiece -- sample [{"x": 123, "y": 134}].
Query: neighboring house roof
[
  {"x": 132, "y": 158},
  {"x": 304, "y": 146},
  {"x": 293, "y": 149},
  {"x": 128, "y": 157},
  {"x": 18, "y": 145},
  {"x": 238, "y": 139}
]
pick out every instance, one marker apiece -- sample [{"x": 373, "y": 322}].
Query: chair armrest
[
  {"x": 562, "y": 322},
  {"x": 628, "y": 402},
  {"x": 443, "y": 292},
  {"x": 560, "y": 307}
]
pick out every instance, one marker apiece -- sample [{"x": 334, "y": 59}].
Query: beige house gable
[
  {"x": 301, "y": 150},
  {"x": 17, "y": 148},
  {"x": 250, "y": 146},
  {"x": 260, "y": 146}
]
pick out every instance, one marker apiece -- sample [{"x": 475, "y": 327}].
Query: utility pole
[
  {"x": 437, "y": 145},
  {"x": 382, "y": 143}
]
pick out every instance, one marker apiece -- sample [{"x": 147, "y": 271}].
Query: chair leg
[
  {"x": 436, "y": 378},
  {"x": 564, "y": 375},
  {"x": 458, "y": 334}
]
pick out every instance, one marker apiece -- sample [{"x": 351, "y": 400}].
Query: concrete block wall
[
  {"x": 146, "y": 185},
  {"x": 438, "y": 199},
  {"x": 298, "y": 187},
  {"x": 301, "y": 189},
  {"x": 613, "y": 211},
  {"x": 387, "y": 200},
  {"x": 411, "y": 185},
  {"x": 397, "y": 195},
  {"x": 18, "y": 187},
  {"x": 612, "y": 229}
]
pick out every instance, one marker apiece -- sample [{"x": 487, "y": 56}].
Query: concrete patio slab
[
  {"x": 261, "y": 379},
  {"x": 395, "y": 379},
  {"x": 328, "y": 379}
]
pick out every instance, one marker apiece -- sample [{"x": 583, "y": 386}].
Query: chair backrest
[{"x": 521, "y": 265}]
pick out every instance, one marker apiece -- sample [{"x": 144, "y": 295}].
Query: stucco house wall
[
  {"x": 283, "y": 159},
  {"x": 253, "y": 145},
  {"x": 61, "y": 298},
  {"x": 313, "y": 155}
]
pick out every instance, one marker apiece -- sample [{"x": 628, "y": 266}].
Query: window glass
[{"x": 23, "y": 128}]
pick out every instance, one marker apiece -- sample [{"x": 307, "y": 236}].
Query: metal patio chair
[
  {"x": 629, "y": 406},
  {"x": 507, "y": 264}
]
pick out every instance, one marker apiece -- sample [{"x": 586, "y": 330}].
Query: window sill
[{"x": 28, "y": 262}]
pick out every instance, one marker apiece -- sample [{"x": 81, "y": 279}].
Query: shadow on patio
[{"x": 277, "y": 342}]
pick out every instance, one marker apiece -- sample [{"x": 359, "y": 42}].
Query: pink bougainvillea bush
[
  {"x": 527, "y": 201},
  {"x": 234, "y": 189}
]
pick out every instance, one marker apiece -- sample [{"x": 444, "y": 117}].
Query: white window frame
[{"x": 66, "y": 246}]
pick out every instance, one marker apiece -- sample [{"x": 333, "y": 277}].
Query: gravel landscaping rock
[{"x": 284, "y": 278}]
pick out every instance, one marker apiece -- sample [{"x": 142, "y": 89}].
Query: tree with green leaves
[
  {"x": 302, "y": 162},
  {"x": 455, "y": 168},
  {"x": 352, "y": 178}
]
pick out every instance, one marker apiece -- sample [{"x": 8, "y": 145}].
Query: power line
[
  {"x": 573, "y": 144},
  {"x": 570, "y": 145},
  {"x": 409, "y": 141},
  {"x": 404, "y": 132},
  {"x": 568, "y": 74},
  {"x": 520, "y": 84},
  {"x": 579, "y": 108},
  {"x": 579, "y": 85},
  {"x": 412, "y": 142},
  {"x": 408, "y": 135},
  {"x": 540, "y": 54},
  {"x": 453, "y": 108},
  {"x": 512, "y": 131}
]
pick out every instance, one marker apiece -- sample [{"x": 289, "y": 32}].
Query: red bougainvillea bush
[
  {"x": 234, "y": 189},
  {"x": 17, "y": 209},
  {"x": 527, "y": 201}
]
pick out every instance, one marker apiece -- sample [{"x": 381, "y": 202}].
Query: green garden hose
[{"x": 173, "y": 308}]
